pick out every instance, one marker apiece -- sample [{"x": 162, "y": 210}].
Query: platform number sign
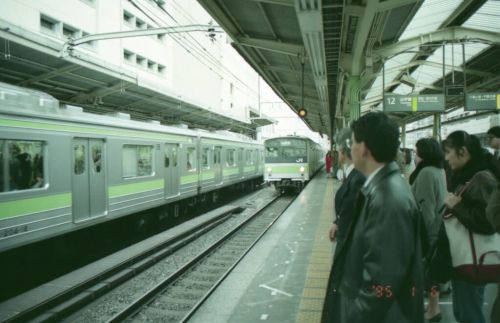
[
  {"x": 414, "y": 103},
  {"x": 482, "y": 101}
]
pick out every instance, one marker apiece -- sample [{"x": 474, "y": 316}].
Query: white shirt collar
[
  {"x": 348, "y": 170},
  {"x": 371, "y": 176}
]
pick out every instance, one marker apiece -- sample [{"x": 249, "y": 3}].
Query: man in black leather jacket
[{"x": 380, "y": 261}]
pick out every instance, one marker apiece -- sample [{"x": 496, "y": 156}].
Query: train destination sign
[
  {"x": 482, "y": 101},
  {"x": 414, "y": 103}
]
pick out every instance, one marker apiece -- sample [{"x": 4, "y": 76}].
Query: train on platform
[
  {"x": 291, "y": 161},
  {"x": 62, "y": 169}
]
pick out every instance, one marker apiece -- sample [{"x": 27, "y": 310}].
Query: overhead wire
[
  {"x": 190, "y": 18},
  {"x": 203, "y": 56}
]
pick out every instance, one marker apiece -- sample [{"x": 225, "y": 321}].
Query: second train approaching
[{"x": 291, "y": 161}]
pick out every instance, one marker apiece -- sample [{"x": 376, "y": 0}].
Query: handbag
[{"x": 475, "y": 257}]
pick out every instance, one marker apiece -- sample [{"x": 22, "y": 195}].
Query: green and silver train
[
  {"x": 291, "y": 161},
  {"x": 62, "y": 169}
]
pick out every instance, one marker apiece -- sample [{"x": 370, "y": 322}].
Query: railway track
[
  {"x": 170, "y": 280},
  {"x": 177, "y": 297}
]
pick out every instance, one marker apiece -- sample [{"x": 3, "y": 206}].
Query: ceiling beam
[
  {"x": 393, "y": 4},
  {"x": 298, "y": 99},
  {"x": 284, "y": 70},
  {"x": 271, "y": 45},
  {"x": 449, "y": 34},
  {"x": 367, "y": 77},
  {"x": 288, "y": 3},
  {"x": 49, "y": 75},
  {"x": 361, "y": 37},
  {"x": 100, "y": 93}
]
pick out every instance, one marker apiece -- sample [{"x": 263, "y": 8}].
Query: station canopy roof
[
  {"x": 33, "y": 61},
  {"x": 340, "y": 40}
]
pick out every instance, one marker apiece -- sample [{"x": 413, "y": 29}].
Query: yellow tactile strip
[{"x": 318, "y": 271}]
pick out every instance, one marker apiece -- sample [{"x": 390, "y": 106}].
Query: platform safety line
[
  {"x": 311, "y": 303},
  {"x": 274, "y": 290}
]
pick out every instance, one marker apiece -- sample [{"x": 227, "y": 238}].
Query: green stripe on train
[
  {"x": 286, "y": 169},
  {"x": 207, "y": 175},
  {"x": 34, "y": 205},
  {"x": 230, "y": 171},
  {"x": 187, "y": 179},
  {"x": 126, "y": 189},
  {"x": 249, "y": 169},
  {"x": 91, "y": 130}
]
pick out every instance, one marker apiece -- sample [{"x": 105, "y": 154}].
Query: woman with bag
[
  {"x": 473, "y": 179},
  {"x": 428, "y": 184}
]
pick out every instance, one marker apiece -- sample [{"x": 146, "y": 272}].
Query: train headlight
[
  {"x": 302, "y": 169},
  {"x": 269, "y": 169}
]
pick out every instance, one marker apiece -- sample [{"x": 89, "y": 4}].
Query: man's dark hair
[
  {"x": 380, "y": 135},
  {"x": 494, "y": 131}
]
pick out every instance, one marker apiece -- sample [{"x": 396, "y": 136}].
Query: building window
[
  {"x": 90, "y": 44},
  {"x": 139, "y": 24},
  {"x": 70, "y": 32},
  {"x": 161, "y": 69},
  {"x": 161, "y": 37},
  {"x": 137, "y": 161},
  {"x": 89, "y": 2},
  {"x": 49, "y": 24},
  {"x": 140, "y": 60},
  {"x": 128, "y": 56},
  {"x": 152, "y": 65},
  {"x": 128, "y": 18}
]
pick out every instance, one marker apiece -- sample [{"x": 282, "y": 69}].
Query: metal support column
[
  {"x": 436, "y": 128},
  {"x": 354, "y": 90},
  {"x": 403, "y": 135}
]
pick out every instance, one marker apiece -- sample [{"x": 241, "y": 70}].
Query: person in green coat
[{"x": 428, "y": 184}]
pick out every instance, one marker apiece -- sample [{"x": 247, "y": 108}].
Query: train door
[
  {"x": 89, "y": 181},
  {"x": 217, "y": 165},
  {"x": 171, "y": 170}
]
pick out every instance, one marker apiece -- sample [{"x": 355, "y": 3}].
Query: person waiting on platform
[
  {"x": 428, "y": 184},
  {"x": 380, "y": 261},
  {"x": 345, "y": 198},
  {"x": 494, "y": 135},
  {"x": 474, "y": 177},
  {"x": 328, "y": 163}
]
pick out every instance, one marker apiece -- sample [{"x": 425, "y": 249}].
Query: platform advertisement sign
[
  {"x": 414, "y": 103},
  {"x": 482, "y": 101}
]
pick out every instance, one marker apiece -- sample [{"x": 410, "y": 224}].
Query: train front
[{"x": 286, "y": 162}]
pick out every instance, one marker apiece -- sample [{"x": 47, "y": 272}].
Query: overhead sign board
[
  {"x": 482, "y": 101},
  {"x": 414, "y": 103}
]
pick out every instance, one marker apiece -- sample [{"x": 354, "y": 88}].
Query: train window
[
  {"x": 217, "y": 155},
  {"x": 205, "y": 155},
  {"x": 191, "y": 160},
  {"x": 230, "y": 160},
  {"x": 2, "y": 162},
  {"x": 137, "y": 161},
  {"x": 97, "y": 158},
  {"x": 249, "y": 157},
  {"x": 21, "y": 165},
  {"x": 271, "y": 151},
  {"x": 174, "y": 156},
  {"x": 79, "y": 159},
  {"x": 167, "y": 159}
]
